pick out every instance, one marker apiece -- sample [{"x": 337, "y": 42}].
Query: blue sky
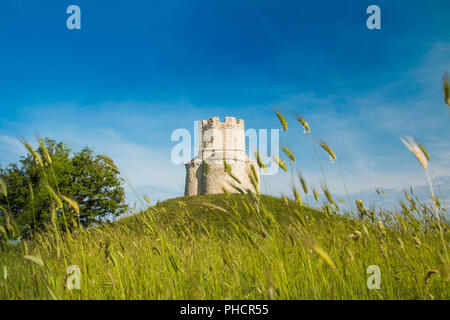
[{"x": 137, "y": 70}]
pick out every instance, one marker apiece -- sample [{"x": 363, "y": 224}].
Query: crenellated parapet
[
  {"x": 215, "y": 123},
  {"x": 222, "y": 140}
]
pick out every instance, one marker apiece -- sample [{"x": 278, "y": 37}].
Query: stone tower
[{"x": 219, "y": 142}]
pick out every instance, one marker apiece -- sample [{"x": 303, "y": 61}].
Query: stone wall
[{"x": 219, "y": 141}]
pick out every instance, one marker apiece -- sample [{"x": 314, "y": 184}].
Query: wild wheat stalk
[{"x": 421, "y": 154}]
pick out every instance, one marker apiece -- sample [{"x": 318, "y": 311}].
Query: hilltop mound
[
  {"x": 226, "y": 246},
  {"x": 221, "y": 211}
]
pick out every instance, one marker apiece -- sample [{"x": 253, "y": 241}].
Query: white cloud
[
  {"x": 10, "y": 149},
  {"x": 366, "y": 140},
  {"x": 146, "y": 168}
]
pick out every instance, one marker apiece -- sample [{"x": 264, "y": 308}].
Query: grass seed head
[
  {"x": 286, "y": 201},
  {"x": 304, "y": 124},
  {"x": 297, "y": 195},
  {"x": 259, "y": 161},
  {"x": 44, "y": 148},
  {"x": 253, "y": 176},
  {"x": 34, "y": 259},
  {"x": 3, "y": 188},
  {"x": 417, "y": 242},
  {"x": 112, "y": 166},
  {"x": 280, "y": 163},
  {"x": 316, "y": 196},
  {"x": 415, "y": 149},
  {"x": 54, "y": 195},
  {"x": 446, "y": 88},
  {"x": 34, "y": 154},
  {"x": 381, "y": 227},
  {"x": 303, "y": 183},
  {"x": 325, "y": 257},
  {"x": 328, "y": 195},
  {"x": 330, "y": 152},
  {"x": 425, "y": 152},
  {"x": 228, "y": 171},
  {"x": 282, "y": 120},
  {"x": 361, "y": 208},
  {"x": 72, "y": 203},
  {"x": 206, "y": 168},
  {"x": 30, "y": 188},
  {"x": 289, "y": 154}
]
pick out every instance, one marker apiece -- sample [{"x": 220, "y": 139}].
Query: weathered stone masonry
[{"x": 219, "y": 141}]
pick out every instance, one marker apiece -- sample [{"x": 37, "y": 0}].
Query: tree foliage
[{"x": 51, "y": 187}]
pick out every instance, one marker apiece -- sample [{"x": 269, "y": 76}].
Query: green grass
[
  {"x": 240, "y": 246},
  {"x": 234, "y": 247}
]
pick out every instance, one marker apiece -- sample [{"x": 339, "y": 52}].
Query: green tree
[{"x": 51, "y": 187}]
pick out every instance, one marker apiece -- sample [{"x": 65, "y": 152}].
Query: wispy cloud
[
  {"x": 362, "y": 128},
  {"x": 10, "y": 147}
]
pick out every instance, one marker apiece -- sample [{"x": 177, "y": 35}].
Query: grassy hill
[
  {"x": 218, "y": 212},
  {"x": 234, "y": 247}
]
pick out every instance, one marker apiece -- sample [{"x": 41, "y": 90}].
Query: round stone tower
[{"x": 219, "y": 143}]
